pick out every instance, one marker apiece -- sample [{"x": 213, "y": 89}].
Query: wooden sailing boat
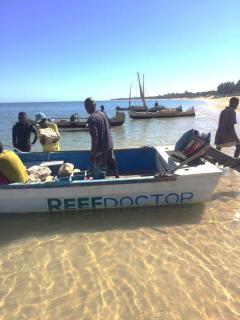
[
  {"x": 164, "y": 113},
  {"x": 129, "y": 100},
  {"x": 134, "y": 108},
  {"x": 141, "y": 89}
]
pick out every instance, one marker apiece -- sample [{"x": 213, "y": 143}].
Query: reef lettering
[{"x": 101, "y": 202}]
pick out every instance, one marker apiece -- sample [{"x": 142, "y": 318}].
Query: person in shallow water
[
  {"x": 102, "y": 154},
  {"x": 44, "y": 123},
  {"x": 226, "y": 135},
  {"x": 11, "y": 167},
  {"x": 21, "y": 133}
]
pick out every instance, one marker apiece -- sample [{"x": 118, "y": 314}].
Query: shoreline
[{"x": 216, "y": 102}]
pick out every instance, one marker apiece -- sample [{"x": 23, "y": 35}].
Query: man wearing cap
[
  {"x": 44, "y": 123},
  {"x": 21, "y": 133},
  {"x": 102, "y": 155}
]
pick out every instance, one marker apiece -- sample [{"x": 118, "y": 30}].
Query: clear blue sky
[{"x": 55, "y": 50}]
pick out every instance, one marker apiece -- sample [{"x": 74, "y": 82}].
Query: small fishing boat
[
  {"x": 149, "y": 176},
  {"x": 80, "y": 124},
  {"x": 118, "y": 119},
  {"x": 164, "y": 113}
]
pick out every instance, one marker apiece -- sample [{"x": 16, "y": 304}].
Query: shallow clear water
[{"x": 155, "y": 263}]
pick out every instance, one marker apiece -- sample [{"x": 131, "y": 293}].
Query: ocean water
[
  {"x": 179, "y": 262},
  {"x": 130, "y": 134}
]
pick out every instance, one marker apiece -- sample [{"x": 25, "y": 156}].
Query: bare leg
[{"x": 237, "y": 151}]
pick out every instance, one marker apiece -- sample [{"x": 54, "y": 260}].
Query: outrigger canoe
[{"x": 148, "y": 177}]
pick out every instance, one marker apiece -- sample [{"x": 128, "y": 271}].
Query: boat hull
[
  {"x": 105, "y": 194},
  {"x": 160, "y": 114},
  {"x": 149, "y": 177},
  {"x": 70, "y": 127},
  {"x": 81, "y": 125},
  {"x": 133, "y": 108}
]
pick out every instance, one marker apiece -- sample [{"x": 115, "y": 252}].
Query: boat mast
[
  {"x": 129, "y": 101},
  {"x": 142, "y": 93},
  {"x": 143, "y": 86}
]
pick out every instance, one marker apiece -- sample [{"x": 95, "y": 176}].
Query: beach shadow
[
  {"x": 225, "y": 195},
  {"x": 14, "y": 227}
]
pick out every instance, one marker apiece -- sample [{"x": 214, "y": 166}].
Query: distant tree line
[
  {"x": 223, "y": 89},
  {"x": 186, "y": 94},
  {"x": 228, "y": 88}
]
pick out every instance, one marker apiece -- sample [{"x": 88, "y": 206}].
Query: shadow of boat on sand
[{"x": 16, "y": 227}]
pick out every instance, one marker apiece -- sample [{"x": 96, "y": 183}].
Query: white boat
[{"x": 148, "y": 177}]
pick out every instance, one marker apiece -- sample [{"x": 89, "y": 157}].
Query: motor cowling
[{"x": 189, "y": 144}]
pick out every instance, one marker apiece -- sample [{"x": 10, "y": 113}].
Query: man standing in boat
[
  {"x": 226, "y": 135},
  {"x": 102, "y": 154}
]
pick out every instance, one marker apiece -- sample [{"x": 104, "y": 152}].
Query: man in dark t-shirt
[
  {"x": 102, "y": 155},
  {"x": 21, "y": 133},
  {"x": 226, "y": 135}
]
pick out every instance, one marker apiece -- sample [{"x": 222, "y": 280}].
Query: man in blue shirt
[{"x": 102, "y": 154}]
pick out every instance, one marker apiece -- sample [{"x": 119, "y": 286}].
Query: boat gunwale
[
  {"x": 151, "y": 177},
  {"x": 114, "y": 181},
  {"x": 84, "y": 183}
]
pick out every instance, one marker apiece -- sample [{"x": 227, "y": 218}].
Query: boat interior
[{"x": 144, "y": 161}]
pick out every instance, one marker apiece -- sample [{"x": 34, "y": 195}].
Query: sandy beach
[{"x": 217, "y": 102}]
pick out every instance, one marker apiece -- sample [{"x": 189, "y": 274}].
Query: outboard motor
[{"x": 191, "y": 143}]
